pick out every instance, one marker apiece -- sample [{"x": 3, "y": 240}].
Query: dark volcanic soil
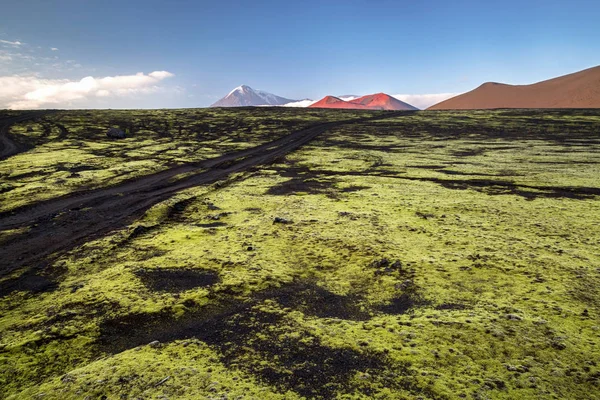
[{"x": 60, "y": 224}]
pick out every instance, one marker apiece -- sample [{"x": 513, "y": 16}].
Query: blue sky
[{"x": 298, "y": 50}]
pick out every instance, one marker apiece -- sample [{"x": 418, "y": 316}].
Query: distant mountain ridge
[
  {"x": 336, "y": 102},
  {"x": 244, "y": 96},
  {"x": 578, "y": 90},
  {"x": 378, "y": 101},
  {"x": 382, "y": 101}
]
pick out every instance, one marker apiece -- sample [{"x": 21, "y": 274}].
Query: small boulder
[
  {"x": 68, "y": 378},
  {"x": 279, "y": 220},
  {"x": 514, "y": 317},
  {"x": 115, "y": 133},
  {"x": 558, "y": 345},
  {"x": 138, "y": 230}
]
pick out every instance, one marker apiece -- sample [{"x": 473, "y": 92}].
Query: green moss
[{"x": 437, "y": 255}]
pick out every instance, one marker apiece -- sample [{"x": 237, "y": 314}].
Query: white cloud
[
  {"x": 30, "y": 92},
  {"x": 12, "y": 55},
  {"x": 53, "y": 49},
  {"x": 9, "y": 43},
  {"x": 161, "y": 74},
  {"x": 424, "y": 101},
  {"x": 300, "y": 103},
  {"x": 102, "y": 93}
]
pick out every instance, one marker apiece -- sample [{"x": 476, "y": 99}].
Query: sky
[{"x": 164, "y": 54}]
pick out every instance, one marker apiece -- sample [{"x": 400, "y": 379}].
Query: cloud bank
[
  {"x": 424, "y": 101},
  {"x": 30, "y": 92},
  {"x": 300, "y": 103}
]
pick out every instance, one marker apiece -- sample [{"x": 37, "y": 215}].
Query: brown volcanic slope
[
  {"x": 335, "y": 102},
  {"x": 577, "y": 90},
  {"x": 382, "y": 101},
  {"x": 379, "y": 101}
]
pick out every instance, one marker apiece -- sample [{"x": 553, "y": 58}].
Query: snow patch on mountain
[{"x": 244, "y": 95}]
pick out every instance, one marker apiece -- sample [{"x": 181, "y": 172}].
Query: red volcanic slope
[
  {"x": 379, "y": 101},
  {"x": 335, "y": 102},
  {"x": 578, "y": 90},
  {"x": 382, "y": 101}
]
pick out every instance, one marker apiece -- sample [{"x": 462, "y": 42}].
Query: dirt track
[
  {"x": 60, "y": 224},
  {"x": 7, "y": 146}
]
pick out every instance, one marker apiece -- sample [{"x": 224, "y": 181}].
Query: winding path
[
  {"x": 7, "y": 146},
  {"x": 60, "y": 224}
]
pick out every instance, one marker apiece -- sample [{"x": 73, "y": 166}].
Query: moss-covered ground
[
  {"x": 434, "y": 255},
  {"x": 70, "y": 150}
]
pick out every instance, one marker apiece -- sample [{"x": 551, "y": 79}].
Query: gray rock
[
  {"x": 116, "y": 133},
  {"x": 68, "y": 378},
  {"x": 558, "y": 345}
]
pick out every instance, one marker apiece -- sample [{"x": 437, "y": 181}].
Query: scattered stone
[
  {"x": 347, "y": 214},
  {"x": 76, "y": 287},
  {"x": 115, "y": 133},
  {"x": 138, "y": 230},
  {"x": 559, "y": 345},
  {"x": 385, "y": 266},
  {"x": 179, "y": 206},
  {"x": 216, "y": 217},
  {"x": 154, "y": 344},
  {"x": 495, "y": 384},
  {"x": 514, "y": 317},
  {"x": 211, "y": 206},
  {"x": 189, "y": 303},
  {"x": 162, "y": 381},
  {"x": 279, "y": 220},
  {"x": 517, "y": 368},
  {"x": 68, "y": 378},
  {"x": 424, "y": 215},
  {"x": 29, "y": 129},
  {"x": 585, "y": 313},
  {"x": 406, "y": 284},
  {"x": 383, "y": 263}
]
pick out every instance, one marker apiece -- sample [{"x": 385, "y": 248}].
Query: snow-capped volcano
[{"x": 244, "y": 95}]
